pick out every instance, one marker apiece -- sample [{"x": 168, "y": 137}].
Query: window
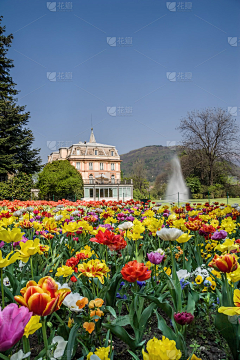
[
  {"x": 112, "y": 153},
  {"x": 110, "y": 192},
  {"x": 78, "y": 165},
  {"x": 91, "y": 179},
  {"x": 101, "y": 166},
  {"x": 101, "y": 193},
  {"x": 78, "y": 152},
  {"x": 91, "y": 193},
  {"x": 95, "y": 152},
  {"x": 90, "y": 166},
  {"x": 112, "y": 179},
  {"x": 112, "y": 166}
]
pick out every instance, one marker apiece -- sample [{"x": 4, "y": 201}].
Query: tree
[
  {"x": 210, "y": 136},
  {"x": 139, "y": 177},
  {"x": 17, "y": 187},
  {"x": 60, "y": 179},
  {"x": 16, "y": 152}
]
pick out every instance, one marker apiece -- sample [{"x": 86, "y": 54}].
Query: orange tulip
[
  {"x": 224, "y": 263},
  {"x": 89, "y": 327},
  {"x": 43, "y": 298}
]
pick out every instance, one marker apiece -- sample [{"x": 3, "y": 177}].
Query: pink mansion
[{"x": 99, "y": 165}]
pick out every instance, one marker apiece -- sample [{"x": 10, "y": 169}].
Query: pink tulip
[{"x": 12, "y": 323}]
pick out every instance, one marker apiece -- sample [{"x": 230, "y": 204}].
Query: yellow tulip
[
  {"x": 32, "y": 326},
  {"x": 8, "y": 260},
  {"x": 64, "y": 271},
  {"x": 29, "y": 248},
  {"x": 161, "y": 349},
  {"x": 184, "y": 238},
  {"x": 231, "y": 311},
  {"x": 13, "y": 235}
]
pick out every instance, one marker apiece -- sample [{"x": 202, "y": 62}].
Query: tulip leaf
[
  {"x": 111, "y": 292},
  {"x": 133, "y": 355},
  {"x": 122, "y": 334},
  {"x": 121, "y": 321},
  {"x": 8, "y": 293},
  {"x": 190, "y": 304},
  {"x": 145, "y": 317},
  {"x": 164, "y": 328},
  {"x": 71, "y": 341},
  {"x": 229, "y": 332},
  {"x": 112, "y": 311}
]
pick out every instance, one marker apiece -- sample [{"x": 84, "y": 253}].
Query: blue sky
[{"x": 136, "y": 66}]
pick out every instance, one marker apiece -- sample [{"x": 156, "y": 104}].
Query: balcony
[{"x": 105, "y": 181}]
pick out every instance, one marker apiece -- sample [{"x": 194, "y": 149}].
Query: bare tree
[{"x": 214, "y": 133}]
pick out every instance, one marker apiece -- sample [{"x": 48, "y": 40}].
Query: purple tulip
[
  {"x": 12, "y": 323},
  {"x": 2, "y": 244},
  {"x": 219, "y": 235},
  {"x": 183, "y": 318},
  {"x": 155, "y": 258}
]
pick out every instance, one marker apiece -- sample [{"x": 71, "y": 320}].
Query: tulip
[
  {"x": 170, "y": 234},
  {"x": 43, "y": 298},
  {"x": 161, "y": 349},
  {"x": 134, "y": 271},
  {"x": 64, "y": 271},
  {"x": 184, "y": 238},
  {"x": 32, "y": 326},
  {"x": 155, "y": 258},
  {"x": 13, "y": 235},
  {"x": 183, "y": 318},
  {"x": 12, "y": 323},
  {"x": 224, "y": 263},
  {"x": 219, "y": 235}
]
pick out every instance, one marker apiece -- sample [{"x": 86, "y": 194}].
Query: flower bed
[{"x": 112, "y": 280}]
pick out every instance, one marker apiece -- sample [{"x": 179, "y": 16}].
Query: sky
[{"x": 135, "y": 67}]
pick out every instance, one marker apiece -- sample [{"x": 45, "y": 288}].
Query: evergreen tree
[{"x": 16, "y": 152}]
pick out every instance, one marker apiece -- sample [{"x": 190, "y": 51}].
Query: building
[{"x": 100, "y": 167}]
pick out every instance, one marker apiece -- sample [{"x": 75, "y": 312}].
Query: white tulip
[
  {"x": 20, "y": 355},
  {"x": 170, "y": 234},
  {"x": 64, "y": 286},
  {"x": 183, "y": 274},
  {"x": 61, "y": 344},
  {"x": 126, "y": 225}
]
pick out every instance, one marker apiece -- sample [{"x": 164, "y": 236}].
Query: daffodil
[{"x": 13, "y": 235}]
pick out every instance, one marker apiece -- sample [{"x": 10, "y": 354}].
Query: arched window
[
  {"x": 78, "y": 152},
  {"x": 91, "y": 179},
  {"x": 112, "y": 179}
]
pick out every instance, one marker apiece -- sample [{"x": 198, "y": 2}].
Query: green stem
[
  {"x": 2, "y": 289},
  {"x": 26, "y": 346},
  {"x": 227, "y": 289},
  {"x": 183, "y": 255},
  {"x": 44, "y": 332},
  {"x": 31, "y": 267}
]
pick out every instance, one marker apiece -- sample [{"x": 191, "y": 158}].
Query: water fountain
[{"x": 176, "y": 188}]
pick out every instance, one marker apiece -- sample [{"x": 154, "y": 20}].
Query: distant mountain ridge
[{"x": 156, "y": 158}]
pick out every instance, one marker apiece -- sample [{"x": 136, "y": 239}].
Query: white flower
[
  {"x": 98, "y": 210},
  {"x": 64, "y": 286},
  {"x": 183, "y": 274},
  {"x": 19, "y": 355},
  {"x": 202, "y": 272},
  {"x": 160, "y": 251},
  {"x": 170, "y": 234},
  {"x": 60, "y": 206},
  {"x": 235, "y": 205},
  {"x": 70, "y": 302},
  {"x": 75, "y": 213},
  {"x": 21, "y": 264},
  {"x": 126, "y": 225},
  {"x": 30, "y": 209},
  {"x": 61, "y": 344},
  {"x": 6, "y": 281},
  {"x": 58, "y": 217},
  {"x": 17, "y": 213}
]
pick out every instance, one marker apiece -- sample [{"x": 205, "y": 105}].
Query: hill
[{"x": 156, "y": 158}]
